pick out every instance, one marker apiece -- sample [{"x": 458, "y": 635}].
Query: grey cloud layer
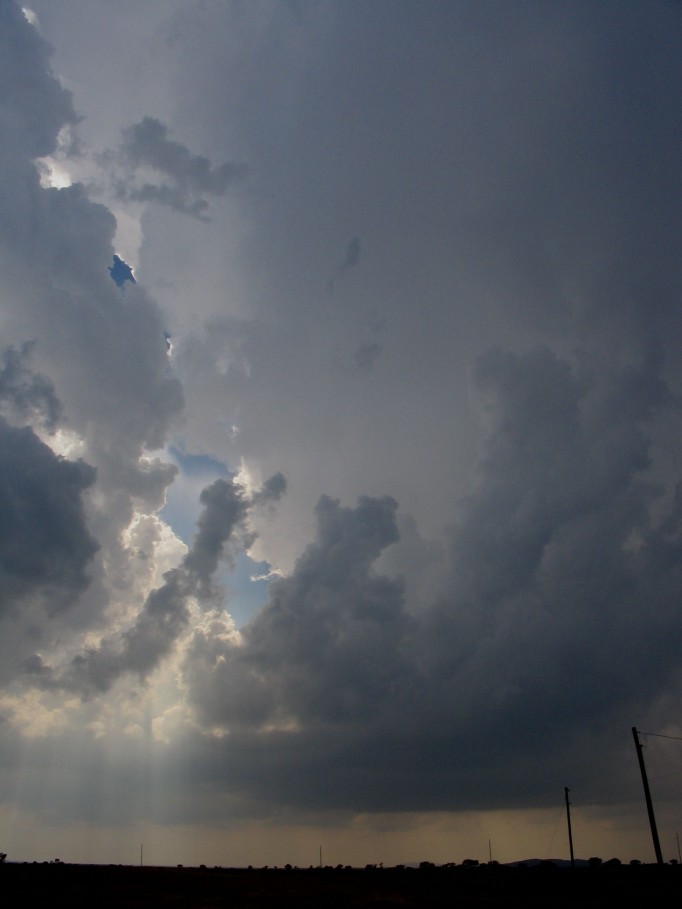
[
  {"x": 511, "y": 184},
  {"x": 495, "y": 383}
]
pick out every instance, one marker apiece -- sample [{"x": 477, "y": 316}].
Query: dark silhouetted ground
[{"x": 56, "y": 885}]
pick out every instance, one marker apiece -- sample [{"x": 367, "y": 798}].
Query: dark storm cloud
[
  {"x": 514, "y": 175},
  {"x": 45, "y": 546},
  {"x": 225, "y": 508},
  {"x": 33, "y": 108},
  {"x": 272, "y": 491},
  {"x": 328, "y": 645},
  {"x": 553, "y": 545},
  {"x": 192, "y": 177},
  {"x": 559, "y": 614}
]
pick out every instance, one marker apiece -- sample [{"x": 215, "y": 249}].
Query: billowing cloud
[
  {"x": 34, "y": 110},
  {"x": 189, "y": 178},
  {"x": 85, "y": 391},
  {"x": 165, "y": 613},
  {"x": 553, "y": 555},
  {"x": 328, "y": 644},
  {"x": 474, "y": 573},
  {"x": 44, "y": 542}
]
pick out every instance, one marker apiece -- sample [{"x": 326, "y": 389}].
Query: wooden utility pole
[
  {"x": 647, "y": 797},
  {"x": 568, "y": 820}
]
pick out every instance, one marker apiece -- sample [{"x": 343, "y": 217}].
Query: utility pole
[
  {"x": 647, "y": 796},
  {"x": 568, "y": 819}
]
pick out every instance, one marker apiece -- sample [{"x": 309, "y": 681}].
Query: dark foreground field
[{"x": 48, "y": 885}]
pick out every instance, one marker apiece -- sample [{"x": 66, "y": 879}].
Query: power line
[{"x": 659, "y": 735}]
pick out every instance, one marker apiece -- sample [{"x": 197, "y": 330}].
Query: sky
[{"x": 340, "y": 419}]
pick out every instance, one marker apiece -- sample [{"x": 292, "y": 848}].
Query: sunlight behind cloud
[{"x": 31, "y": 17}]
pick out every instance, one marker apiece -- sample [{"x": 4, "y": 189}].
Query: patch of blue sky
[
  {"x": 199, "y": 465},
  {"x": 121, "y": 272},
  {"x": 182, "y": 497},
  {"x": 246, "y": 585}
]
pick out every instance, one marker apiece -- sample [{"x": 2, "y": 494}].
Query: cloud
[
  {"x": 352, "y": 257},
  {"x": 44, "y": 542},
  {"x": 475, "y": 568},
  {"x": 325, "y": 647},
  {"x": 365, "y": 356},
  {"x": 524, "y": 398},
  {"x": 554, "y": 554},
  {"x": 33, "y": 113},
  {"x": 166, "y": 613},
  {"x": 350, "y": 260},
  {"x": 25, "y": 395},
  {"x": 272, "y": 491},
  {"x": 191, "y": 177}
]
